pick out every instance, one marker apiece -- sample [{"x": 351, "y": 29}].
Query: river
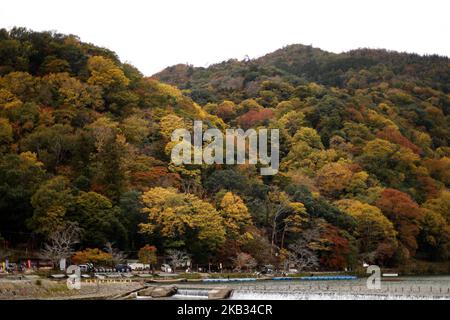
[{"x": 404, "y": 288}]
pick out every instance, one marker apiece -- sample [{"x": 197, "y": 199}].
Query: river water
[{"x": 404, "y": 288}]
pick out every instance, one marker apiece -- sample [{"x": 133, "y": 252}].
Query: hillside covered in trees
[{"x": 364, "y": 156}]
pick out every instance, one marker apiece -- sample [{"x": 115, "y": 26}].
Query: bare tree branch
[
  {"x": 302, "y": 256},
  {"x": 177, "y": 258},
  {"x": 60, "y": 243},
  {"x": 243, "y": 259}
]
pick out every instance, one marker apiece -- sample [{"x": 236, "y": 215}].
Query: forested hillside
[{"x": 364, "y": 157}]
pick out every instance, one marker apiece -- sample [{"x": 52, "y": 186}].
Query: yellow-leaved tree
[
  {"x": 376, "y": 234},
  {"x": 105, "y": 73},
  {"x": 182, "y": 218},
  {"x": 236, "y": 216}
]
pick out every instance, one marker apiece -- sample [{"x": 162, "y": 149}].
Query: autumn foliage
[
  {"x": 92, "y": 255},
  {"x": 364, "y": 176},
  {"x": 404, "y": 213}
]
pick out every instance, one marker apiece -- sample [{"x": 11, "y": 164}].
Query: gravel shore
[{"x": 58, "y": 290}]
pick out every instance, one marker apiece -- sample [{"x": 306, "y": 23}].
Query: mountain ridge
[{"x": 299, "y": 63}]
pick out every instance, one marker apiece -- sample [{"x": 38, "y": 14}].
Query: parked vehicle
[
  {"x": 122, "y": 268},
  {"x": 138, "y": 266},
  {"x": 88, "y": 267},
  {"x": 83, "y": 268},
  {"x": 267, "y": 269},
  {"x": 166, "y": 268},
  {"x": 12, "y": 267}
]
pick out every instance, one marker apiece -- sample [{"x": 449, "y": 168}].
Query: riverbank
[{"x": 58, "y": 290}]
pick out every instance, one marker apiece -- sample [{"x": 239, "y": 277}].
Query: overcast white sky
[{"x": 154, "y": 34}]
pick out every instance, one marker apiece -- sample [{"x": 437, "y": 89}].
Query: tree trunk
[
  {"x": 274, "y": 228},
  {"x": 282, "y": 236}
]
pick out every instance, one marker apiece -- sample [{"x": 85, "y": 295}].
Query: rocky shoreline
[{"x": 58, "y": 290}]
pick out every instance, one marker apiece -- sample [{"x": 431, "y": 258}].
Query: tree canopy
[{"x": 85, "y": 140}]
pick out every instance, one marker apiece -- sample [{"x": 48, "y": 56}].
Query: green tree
[
  {"x": 441, "y": 204},
  {"x": 99, "y": 219},
  {"x": 434, "y": 237},
  {"x": 110, "y": 160},
  {"x": 281, "y": 211},
  {"x": 51, "y": 202},
  {"x": 20, "y": 177},
  {"x": 131, "y": 216},
  {"x": 135, "y": 129},
  {"x": 52, "y": 144},
  {"x": 388, "y": 161}
]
